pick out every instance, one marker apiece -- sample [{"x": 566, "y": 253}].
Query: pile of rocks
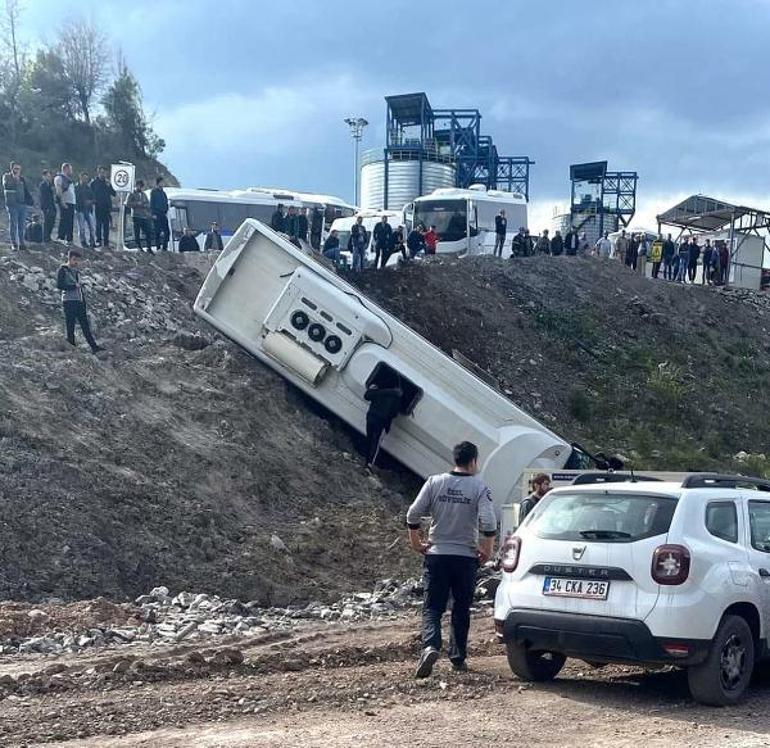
[{"x": 163, "y": 618}]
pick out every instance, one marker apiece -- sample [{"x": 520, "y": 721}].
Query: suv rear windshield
[{"x": 613, "y": 518}]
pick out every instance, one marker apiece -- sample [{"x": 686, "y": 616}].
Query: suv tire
[
  {"x": 534, "y": 666},
  {"x": 723, "y": 677}
]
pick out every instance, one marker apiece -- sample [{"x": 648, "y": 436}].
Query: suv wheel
[
  {"x": 724, "y": 676},
  {"x": 534, "y": 666}
]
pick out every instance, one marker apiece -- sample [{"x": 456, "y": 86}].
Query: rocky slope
[{"x": 172, "y": 458}]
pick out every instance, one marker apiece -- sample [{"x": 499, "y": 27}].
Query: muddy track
[{"x": 341, "y": 685}]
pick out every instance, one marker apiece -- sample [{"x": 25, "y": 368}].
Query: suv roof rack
[
  {"x": 717, "y": 480},
  {"x": 589, "y": 478}
]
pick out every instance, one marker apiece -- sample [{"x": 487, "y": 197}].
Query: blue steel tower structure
[
  {"x": 417, "y": 132},
  {"x": 597, "y": 193}
]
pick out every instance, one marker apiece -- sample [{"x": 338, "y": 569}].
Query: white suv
[{"x": 643, "y": 572}]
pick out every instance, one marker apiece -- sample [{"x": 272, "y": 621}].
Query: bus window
[
  {"x": 263, "y": 213},
  {"x": 384, "y": 376},
  {"x": 232, "y": 216},
  {"x": 450, "y": 217},
  {"x": 200, "y": 215}
]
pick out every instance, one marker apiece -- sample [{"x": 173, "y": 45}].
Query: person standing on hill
[
  {"x": 684, "y": 259},
  {"x": 291, "y": 222},
  {"x": 159, "y": 208},
  {"x": 278, "y": 219},
  {"x": 642, "y": 252},
  {"x": 543, "y": 246},
  {"x": 656, "y": 255},
  {"x": 431, "y": 241},
  {"x": 384, "y": 406},
  {"x": 724, "y": 263},
  {"x": 707, "y": 252},
  {"x": 74, "y": 300},
  {"x": 621, "y": 246},
  {"x": 519, "y": 246},
  {"x": 692, "y": 263},
  {"x": 47, "y": 197},
  {"x": 501, "y": 227},
  {"x": 141, "y": 215},
  {"x": 459, "y": 504},
  {"x": 103, "y": 194},
  {"x": 359, "y": 240},
  {"x": 65, "y": 196},
  {"x": 669, "y": 254},
  {"x": 84, "y": 212},
  {"x": 571, "y": 243},
  {"x": 604, "y": 246},
  {"x": 17, "y": 199},
  {"x": 213, "y": 239},
  {"x": 302, "y": 225},
  {"x": 415, "y": 242},
  {"x": 557, "y": 244},
  {"x": 383, "y": 236}
]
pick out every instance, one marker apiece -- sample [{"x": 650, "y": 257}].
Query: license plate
[{"x": 583, "y": 588}]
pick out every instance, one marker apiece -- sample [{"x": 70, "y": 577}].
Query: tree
[
  {"x": 85, "y": 53},
  {"x": 11, "y": 64},
  {"x": 125, "y": 115}
]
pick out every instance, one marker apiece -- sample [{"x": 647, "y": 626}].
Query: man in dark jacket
[
  {"x": 278, "y": 220},
  {"x": 74, "y": 300},
  {"x": 541, "y": 485},
  {"x": 358, "y": 244},
  {"x": 47, "y": 196},
  {"x": 383, "y": 235},
  {"x": 188, "y": 243},
  {"x": 103, "y": 194},
  {"x": 159, "y": 208},
  {"x": 214, "y": 239},
  {"x": 17, "y": 200},
  {"x": 557, "y": 244},
  {"x": 385, "y": 405},
  {"x": 519, "y": 244},
  {"x": 669, "y": 252},
  {"x": 571, "y": 243},
  {"x": 292, "y": 224},
  {"x": 302, "y": 224},
  {"x": 692, "y": 260},
  {"x": 316, "y": 227},
  {"x": 415, "y": 242},
  {"x": 501, "y": 227}
]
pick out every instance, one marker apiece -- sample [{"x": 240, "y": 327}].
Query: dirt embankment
[
  {"x": 669, "y": 376},
  {"x": 172, "y": 458}
]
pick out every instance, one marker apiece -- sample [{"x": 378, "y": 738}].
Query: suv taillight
[
  {"x": 670, "y": 564},
  {"x": 509, "y": 555}
]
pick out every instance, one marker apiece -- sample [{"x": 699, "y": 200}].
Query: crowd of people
[
  {"x": 81, "y": 206},
  {"x": 81, "y": 202}
]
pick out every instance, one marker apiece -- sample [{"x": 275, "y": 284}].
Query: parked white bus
[
  {"x": 465, "y": 219},
  {"x": 199, "y": 208},
  {"x": 321, "y": 334}
]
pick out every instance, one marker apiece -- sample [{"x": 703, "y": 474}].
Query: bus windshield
[{"x": 450, "y": 217}]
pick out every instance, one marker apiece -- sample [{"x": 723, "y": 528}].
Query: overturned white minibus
[{"x": 328, "y": 339}]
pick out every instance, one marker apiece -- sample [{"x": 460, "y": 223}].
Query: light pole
[{"x": 356, "y": 125}]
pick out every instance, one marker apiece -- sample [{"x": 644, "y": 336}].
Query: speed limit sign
[{"x": 122, "y": 177}]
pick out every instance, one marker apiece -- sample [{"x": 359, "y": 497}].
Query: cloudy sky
[{"x": 248, "y": 92}]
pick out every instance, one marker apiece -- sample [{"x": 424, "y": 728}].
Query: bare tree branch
[{"x": 85, "y": 54}]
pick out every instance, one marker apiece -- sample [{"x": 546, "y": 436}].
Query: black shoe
[
  {"x": 426, "y": 662},
  {"x": 459, "y": 666}
]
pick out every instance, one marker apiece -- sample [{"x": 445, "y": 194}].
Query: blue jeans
[
  {"x": 359, "y": 260},
  {"x": 333, "y": 255},
  {"x": 17, "y": 220},
  {"x": 442, "y": 575},
  {"x": 86, "y": 228}
]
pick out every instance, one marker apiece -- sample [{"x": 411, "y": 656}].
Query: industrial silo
[{"x": 407, "y": 179}]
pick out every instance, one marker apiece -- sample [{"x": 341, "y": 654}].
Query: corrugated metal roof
[{"x": 704, "y": 213}]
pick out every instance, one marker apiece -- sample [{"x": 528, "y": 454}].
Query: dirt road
[{"x": 338, "y": 685}]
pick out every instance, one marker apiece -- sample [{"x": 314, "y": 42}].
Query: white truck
[{"x": 329, "y": 340}]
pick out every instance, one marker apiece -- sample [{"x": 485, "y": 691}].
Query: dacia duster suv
[{"x": 642, "y": 572}]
